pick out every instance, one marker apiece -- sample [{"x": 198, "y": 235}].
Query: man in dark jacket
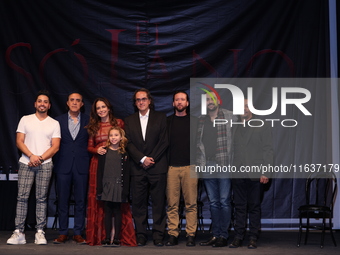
[
  {"x": 147, "y": 144},
  {"x": 252, "y": 147},
  {"x": 72, "y": 168}
]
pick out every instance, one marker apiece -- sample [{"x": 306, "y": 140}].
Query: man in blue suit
[{"x": 72, "y": 168}]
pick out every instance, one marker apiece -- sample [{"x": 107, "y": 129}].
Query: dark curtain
[{"x": 110, "y": 48}]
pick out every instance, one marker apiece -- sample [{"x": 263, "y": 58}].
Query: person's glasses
[{"x": 144, "y": 99}]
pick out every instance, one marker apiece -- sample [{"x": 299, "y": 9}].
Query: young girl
[{"x": 113, "y": 182}]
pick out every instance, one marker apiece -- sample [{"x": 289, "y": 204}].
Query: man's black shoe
[
  {"x": 211, "y": 241},
  {"x": 158, "y": 242},
  {"x": 172, "y": 241},
  {"x": 221, "y": 242},
  {"x": 235, "y": 243},
  {"x": 252, "y": 244},
  {"x": 141, "y": 241},
  {"x": 191, "y": 241}
]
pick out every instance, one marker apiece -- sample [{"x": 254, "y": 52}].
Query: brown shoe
[
  {"x": 60, "y": 239},
  {"x": 79, "y": 239}
]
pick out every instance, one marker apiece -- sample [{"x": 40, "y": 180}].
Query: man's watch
[{"x": 41, "y": 159}]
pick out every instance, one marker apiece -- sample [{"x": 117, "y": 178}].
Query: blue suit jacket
[{"x": 72, "y": 151}]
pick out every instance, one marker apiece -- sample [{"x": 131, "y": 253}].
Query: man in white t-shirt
[{"x": 38, "y": 138}]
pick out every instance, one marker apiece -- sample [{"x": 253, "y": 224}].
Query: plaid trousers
[{"x": 26, "y": 176}]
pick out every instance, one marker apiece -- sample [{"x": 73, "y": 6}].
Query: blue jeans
[{"x": 219, "y": 194}]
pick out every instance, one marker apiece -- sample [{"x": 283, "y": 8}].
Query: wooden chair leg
[
  {"x": 307, "y": 230},
  {"x": 200, "y": 218},
  {"x": 323, "y": 231},
  {"x": 300, "y": 232},
  {"x": 55, "y": 222},
  {"x": 331, "y": 230}
]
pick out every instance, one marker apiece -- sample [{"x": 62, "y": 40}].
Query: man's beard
[
  {"x": 212, "y": 109},
  {"x": 182, "y": 109},
  {"x": 42, "y": 111}
]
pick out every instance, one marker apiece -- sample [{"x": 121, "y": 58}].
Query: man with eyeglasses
[{"x": 147, "y": 143}]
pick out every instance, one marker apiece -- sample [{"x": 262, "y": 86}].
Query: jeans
[{"x": 219, "y": 194}]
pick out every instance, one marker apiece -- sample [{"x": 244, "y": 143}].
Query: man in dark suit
[
  {"x": 71, "y": 168},
  {"x": 147, "y": 143},
  {"x": 252, "y": 147}
]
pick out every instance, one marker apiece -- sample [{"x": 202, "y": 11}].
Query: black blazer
[
  {"x": 155, "y": 144},
  {"x": 125, "y": 175},
  {"x": 72, "y": 151}
]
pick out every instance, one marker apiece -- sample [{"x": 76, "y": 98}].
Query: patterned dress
[{"x": 95, "y": 230}]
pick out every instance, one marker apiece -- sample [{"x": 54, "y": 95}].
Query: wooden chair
[{"x": 321, "y": 189}]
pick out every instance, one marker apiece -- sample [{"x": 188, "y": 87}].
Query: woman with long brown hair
[{"x": 101, "y": 120}]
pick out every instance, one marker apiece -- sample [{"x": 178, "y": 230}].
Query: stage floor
[{"x": 270, "y": 242}]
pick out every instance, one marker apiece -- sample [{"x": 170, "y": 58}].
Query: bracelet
[{"x": 30, "y": 155}]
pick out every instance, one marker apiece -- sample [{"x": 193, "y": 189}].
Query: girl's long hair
[{"x": 122, "y": 143}]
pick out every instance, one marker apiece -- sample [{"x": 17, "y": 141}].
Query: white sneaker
[
  {"x": 40, "y": 237},
  {"x": 17, "y": 238}
]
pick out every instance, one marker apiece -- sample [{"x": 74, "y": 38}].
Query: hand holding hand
[
  {"x": 148, "y": 162},
  {"x": 34, "y": 161},
  {"x": 101, "y": 150}
]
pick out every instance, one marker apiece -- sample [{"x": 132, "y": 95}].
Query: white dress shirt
[{"x": 144, "y": 123}]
